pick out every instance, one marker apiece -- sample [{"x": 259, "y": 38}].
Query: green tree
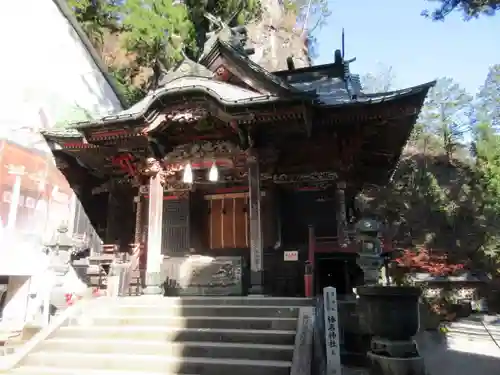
[
  {"x": 487, "y": 155},
  {"x": 95, "y": 16},
  {"x": 446, "y": 115},
  {"x": 486, "y": 149},
  {"x": 469, "y": 8},
  {"x": 234, "y": 12},
  {"x": 123, "y": 79},
  {"x": 157, "y": 31},
  {"x": 488, "y": 99}
]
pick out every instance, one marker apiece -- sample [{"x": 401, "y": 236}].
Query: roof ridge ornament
[
  {"x": 235, "y": 36},
  {"x": 185, "y": 67},
  {"x": 352, "y": 84}
]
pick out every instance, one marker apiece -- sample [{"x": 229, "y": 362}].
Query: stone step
[
  {"x": 177, "y": 349},
  {"x": 44, "y": 370},
  {"x": 216, "y": 300},
  {"x": 197, "y": 322},
  {"x": 205, "y": 310},
  {"x": 273, "y": 337},
  {"x": 153, "y": 363}
]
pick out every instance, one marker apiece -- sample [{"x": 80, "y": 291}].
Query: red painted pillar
[{"x": 309, "y": 267}]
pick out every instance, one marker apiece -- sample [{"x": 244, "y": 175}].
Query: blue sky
[{"x": 393, "y": 33}]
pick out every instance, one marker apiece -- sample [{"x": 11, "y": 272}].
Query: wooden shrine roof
[
  {"x": 302, "y": 121},
  {"x": 230, "y": 102},
  {"x": 362, "y": 140}
]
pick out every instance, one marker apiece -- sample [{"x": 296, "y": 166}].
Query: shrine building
[{"x": 247, "y": 172}]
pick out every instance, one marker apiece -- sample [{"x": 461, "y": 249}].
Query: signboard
[
  {"x": 333, "y": 366},
  {"x": 291, "y": 256}
]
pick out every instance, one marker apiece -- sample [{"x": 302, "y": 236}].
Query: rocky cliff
[{"x": 274, "y": 38}]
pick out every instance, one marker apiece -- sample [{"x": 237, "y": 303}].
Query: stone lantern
[
  {"x": 367, "y": 233},
  {"x": 60, "y": 248},
  {"x": 388, "y": 313}
]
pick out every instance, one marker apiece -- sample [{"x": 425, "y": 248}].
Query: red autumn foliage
[
  {"x": 71, "y": 298},
  {"x": 423, "y": 260}
]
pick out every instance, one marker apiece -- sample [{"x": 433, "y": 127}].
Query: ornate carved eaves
[
  {"x": 205, "y": 150},
  {"x": 299, "y": 178}
]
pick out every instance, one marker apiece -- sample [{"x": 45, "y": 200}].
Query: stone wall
[{"x": 275, "y": 39}]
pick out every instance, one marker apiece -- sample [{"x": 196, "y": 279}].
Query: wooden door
[{"x": 228, "y": 222}]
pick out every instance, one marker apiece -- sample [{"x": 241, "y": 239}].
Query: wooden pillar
[
  {"x": 154, "y": 242},
  {"x": 341, "y": 215},
  {"x": 138, "y": 218},
  {"x": 310, "y": 264},
  {"x": 256, "y": 241},
  {"x": 110, "y": 220}
]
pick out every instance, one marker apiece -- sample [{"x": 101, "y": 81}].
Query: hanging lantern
[
  {"x": 187, "y": 177},
  {"x": 213, "y": 174}
]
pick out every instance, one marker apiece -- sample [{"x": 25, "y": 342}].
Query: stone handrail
[
  {"x": 133, "y": 263},
  {"x": 118, "y": 285},
  {"x": 9, "y": 361},
  {"x": 302, "y": 353},
  {"x": 318, "y": 364}
]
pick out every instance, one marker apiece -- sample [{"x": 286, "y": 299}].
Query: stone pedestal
[
  {"x": 153, "y": 283},
  {"x": 370, "y": 264},
  {"x": 383, "y": 365},
  {"x": 256, "y": 283},
  {"x": 391, "y": 315}
]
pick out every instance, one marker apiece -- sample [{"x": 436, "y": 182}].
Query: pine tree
[
  {"x": 157, "y": 31},
  {"x": 446, "y": 115},
  {"x": 469, "y": 8},
  {"x": 95, "y": 16},
  {"x": 488, "y": 99}
]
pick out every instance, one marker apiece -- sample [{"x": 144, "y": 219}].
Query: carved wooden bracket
[
  {"x": 152, "y": 167},
  {"x": 126, "y": 164}
]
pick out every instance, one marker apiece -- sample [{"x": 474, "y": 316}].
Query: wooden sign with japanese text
[{"x": 332, "y": 339}]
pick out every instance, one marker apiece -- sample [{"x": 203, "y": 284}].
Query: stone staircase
[{"x": 190, "y": 335}]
